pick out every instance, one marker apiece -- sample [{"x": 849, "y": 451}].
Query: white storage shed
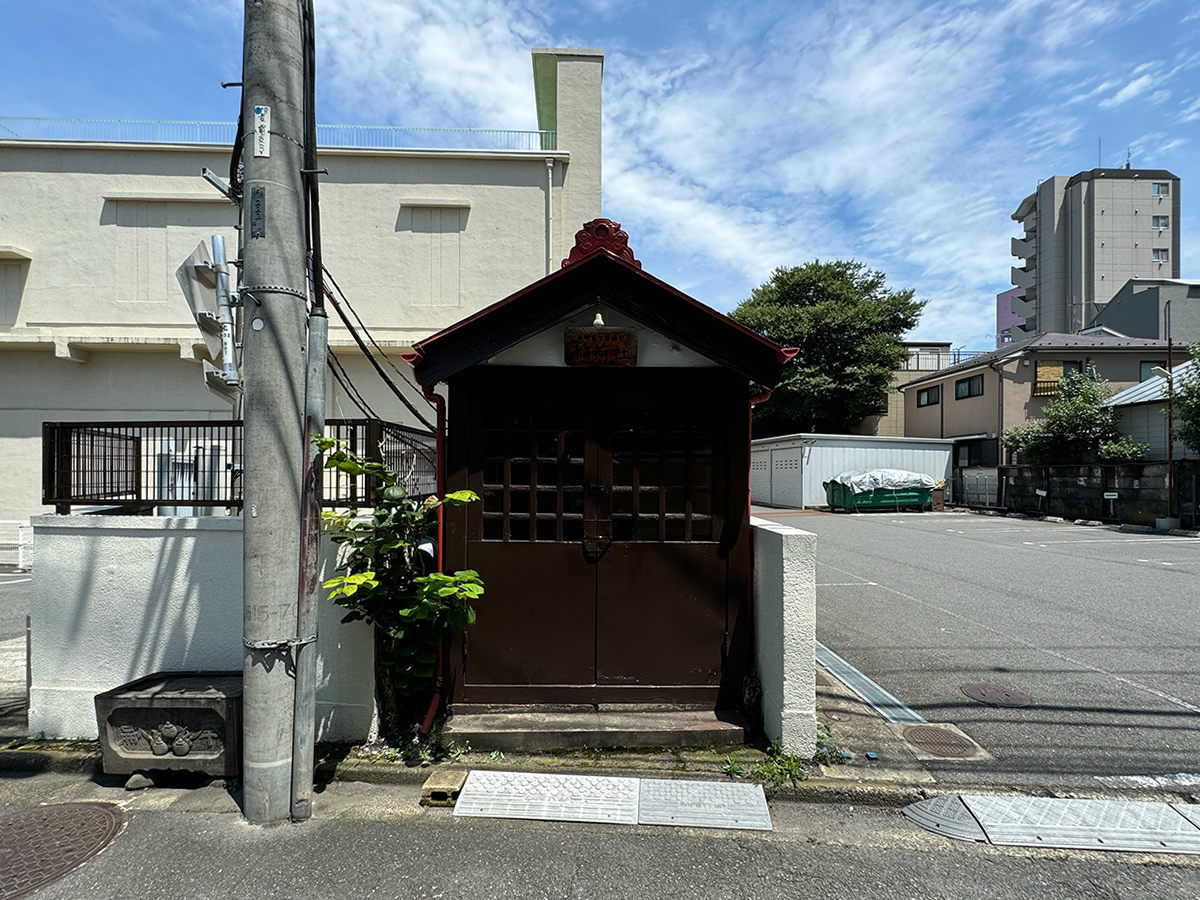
[{"x": 789, "y": 470}]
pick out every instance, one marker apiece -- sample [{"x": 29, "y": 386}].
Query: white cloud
[
  {"x": 419, "y": 62},
  {"x": 1136, "y": 87}
]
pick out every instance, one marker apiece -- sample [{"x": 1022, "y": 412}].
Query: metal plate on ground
[
  {"x": 39, "y": 846},
  {"x": 1084, "y": 824},
  {"x": 703, "y": 804},
  {"x": 1190, "y": 811},
  {"x": 946, "y": 815},
  {"x": 559, "y": 798},
  {"x": 994, "y": 695},
  {"x": 622, "y": 801},
  {"x": 939, "y": 741}
]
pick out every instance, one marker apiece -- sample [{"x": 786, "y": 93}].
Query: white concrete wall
[
  {"x": 785, "y": 626},
  {"x": 120, "y": 597}
]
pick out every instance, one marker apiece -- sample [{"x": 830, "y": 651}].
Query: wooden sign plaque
[{"x": 600, "y": 347}]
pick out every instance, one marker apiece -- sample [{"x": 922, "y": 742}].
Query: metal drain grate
[
  {"x": 39, "y": 846},
  {"x": 993, "y": 695},
  {"x": 939, "y": 741}
]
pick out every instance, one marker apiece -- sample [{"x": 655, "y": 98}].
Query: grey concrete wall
[
  {"x": 785, "y": 624},
  {"x": 119, "y": 597}
]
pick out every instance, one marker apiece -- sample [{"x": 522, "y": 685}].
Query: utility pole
[{"x": 274, "y": 296}]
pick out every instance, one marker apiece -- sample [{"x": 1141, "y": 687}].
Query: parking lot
[{"x": 1096, "y": 626}]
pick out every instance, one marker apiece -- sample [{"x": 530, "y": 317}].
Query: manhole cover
[
  {"x": 939, "y": 741},
  {"x": 40, "y": 846},
  {"x": 836, "y": 715},
  {"x": 996, "y": 696}
]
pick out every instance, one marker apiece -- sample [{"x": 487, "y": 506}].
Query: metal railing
[
  {"x": 366, "y": 137},
  {"x": 16, "y": 538},
  {"x": 933, "y": 360},
  {"x": 195, "y": 467},
  {"x": 1045, "y": 388}
]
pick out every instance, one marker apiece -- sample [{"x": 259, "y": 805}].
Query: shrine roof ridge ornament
[{"x": 601, "y": 234}]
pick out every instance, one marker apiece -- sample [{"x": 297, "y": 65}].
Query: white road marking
[
  {"x": 847, "y": 584},
  {"x": 1161, "y": 562},
  {"x": 19, "y": 581},
  {"x": 1060, "y": 656},
  {"x": 1152, "y": 540}
]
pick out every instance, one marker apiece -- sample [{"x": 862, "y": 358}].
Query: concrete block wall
[
  {"x": 1077, "y": 492},
  {"x": 119, "y": 597},
  {"x": 785, "y": 625}
]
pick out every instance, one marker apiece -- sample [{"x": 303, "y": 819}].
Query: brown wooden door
[{"x": 598, "y": 537}]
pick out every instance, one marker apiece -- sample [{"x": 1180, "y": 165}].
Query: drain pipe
[
  {"x": 549, "y": 213},
  {"x": 762, "y": 396}
]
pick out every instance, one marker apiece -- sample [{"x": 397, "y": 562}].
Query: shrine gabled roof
[{"x": 599, "y": 272}]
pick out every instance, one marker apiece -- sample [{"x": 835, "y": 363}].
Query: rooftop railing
[
  {"x": 365, "y": 137},
  {"x": 933, "y": 360},
  {"x": 195, "y": 467}
]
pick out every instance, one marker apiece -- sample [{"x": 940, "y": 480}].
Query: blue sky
[{"x": 738, "y": 136}]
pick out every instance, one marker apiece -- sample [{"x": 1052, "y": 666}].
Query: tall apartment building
[{"x": 1085, "y": 236}]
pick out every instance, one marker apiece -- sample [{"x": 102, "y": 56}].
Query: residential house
[
  {"x": 976, "y": 400},
  {"x": 1143, "y": 410},
  {"x": 94, "y": 222}
]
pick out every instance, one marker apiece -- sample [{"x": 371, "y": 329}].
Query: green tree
[
  {"x": 1187, "y": 404},
  {"x": 1076, "y": 427},
  {"x": 846, "y": 325}
]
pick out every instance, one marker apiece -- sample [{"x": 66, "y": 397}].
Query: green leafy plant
[
  {"x": 384, "y": 583},
  {"x": 1076, "y": 427},
  {"x": 778, "y": 769},
  {"x": 733, "y": 768},
  {"x": 1186, "y": 401}
]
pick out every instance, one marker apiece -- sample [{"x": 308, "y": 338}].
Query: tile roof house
[{"x": 975, "y": 401}]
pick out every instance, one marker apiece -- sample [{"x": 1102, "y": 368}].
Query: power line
[
  {"x": 370, "y": 337},
  {"x": 374, "y": 362},
  {"x": 343, "y": 378}
]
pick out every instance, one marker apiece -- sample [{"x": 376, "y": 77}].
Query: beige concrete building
[
  {"x": 1085, "y": 236},
  {"x": 922, "y": 358},
  {"x": 93, "y": 325},
  {"x": 975, "y": 401}
]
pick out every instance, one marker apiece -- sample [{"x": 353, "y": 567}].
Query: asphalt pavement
[
  {"x": 370, "y": 841},
  {"x": 1095, "y": 625}
]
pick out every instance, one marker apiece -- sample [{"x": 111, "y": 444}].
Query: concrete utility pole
[{"x": 274, "y": 339}]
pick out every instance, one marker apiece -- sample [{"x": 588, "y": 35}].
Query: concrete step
[{"x": 542, "y": 728}]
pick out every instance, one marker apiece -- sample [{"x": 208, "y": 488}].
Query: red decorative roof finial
[{"x": 601, "y": 234}]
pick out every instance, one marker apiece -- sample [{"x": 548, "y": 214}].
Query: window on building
[
  {"x": 1160, "y": 221},
  {"x": 969, "y": 453},
  {"x": 1050, "y": 372},
  {"x": 1160, "y": 255},
  {"x": 930, "y": 396},
  {"x": 1148, "y": 367},
  {"x": 968, "y": 387},
  {"x": 1161, "y": 188}
]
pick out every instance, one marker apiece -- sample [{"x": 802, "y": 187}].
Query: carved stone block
[{"x": 181, "y": 721}]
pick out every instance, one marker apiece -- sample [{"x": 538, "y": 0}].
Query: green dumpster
[{"x": 903, "y": 490}]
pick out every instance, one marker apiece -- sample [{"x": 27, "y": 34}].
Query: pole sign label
[
  {"x": 262, "y": 131},
  {"x": 1039, "y": 492},
  {"x": 1110, "y": 495}
]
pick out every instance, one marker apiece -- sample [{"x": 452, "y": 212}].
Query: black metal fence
[{"x": 195, "y": 467}]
